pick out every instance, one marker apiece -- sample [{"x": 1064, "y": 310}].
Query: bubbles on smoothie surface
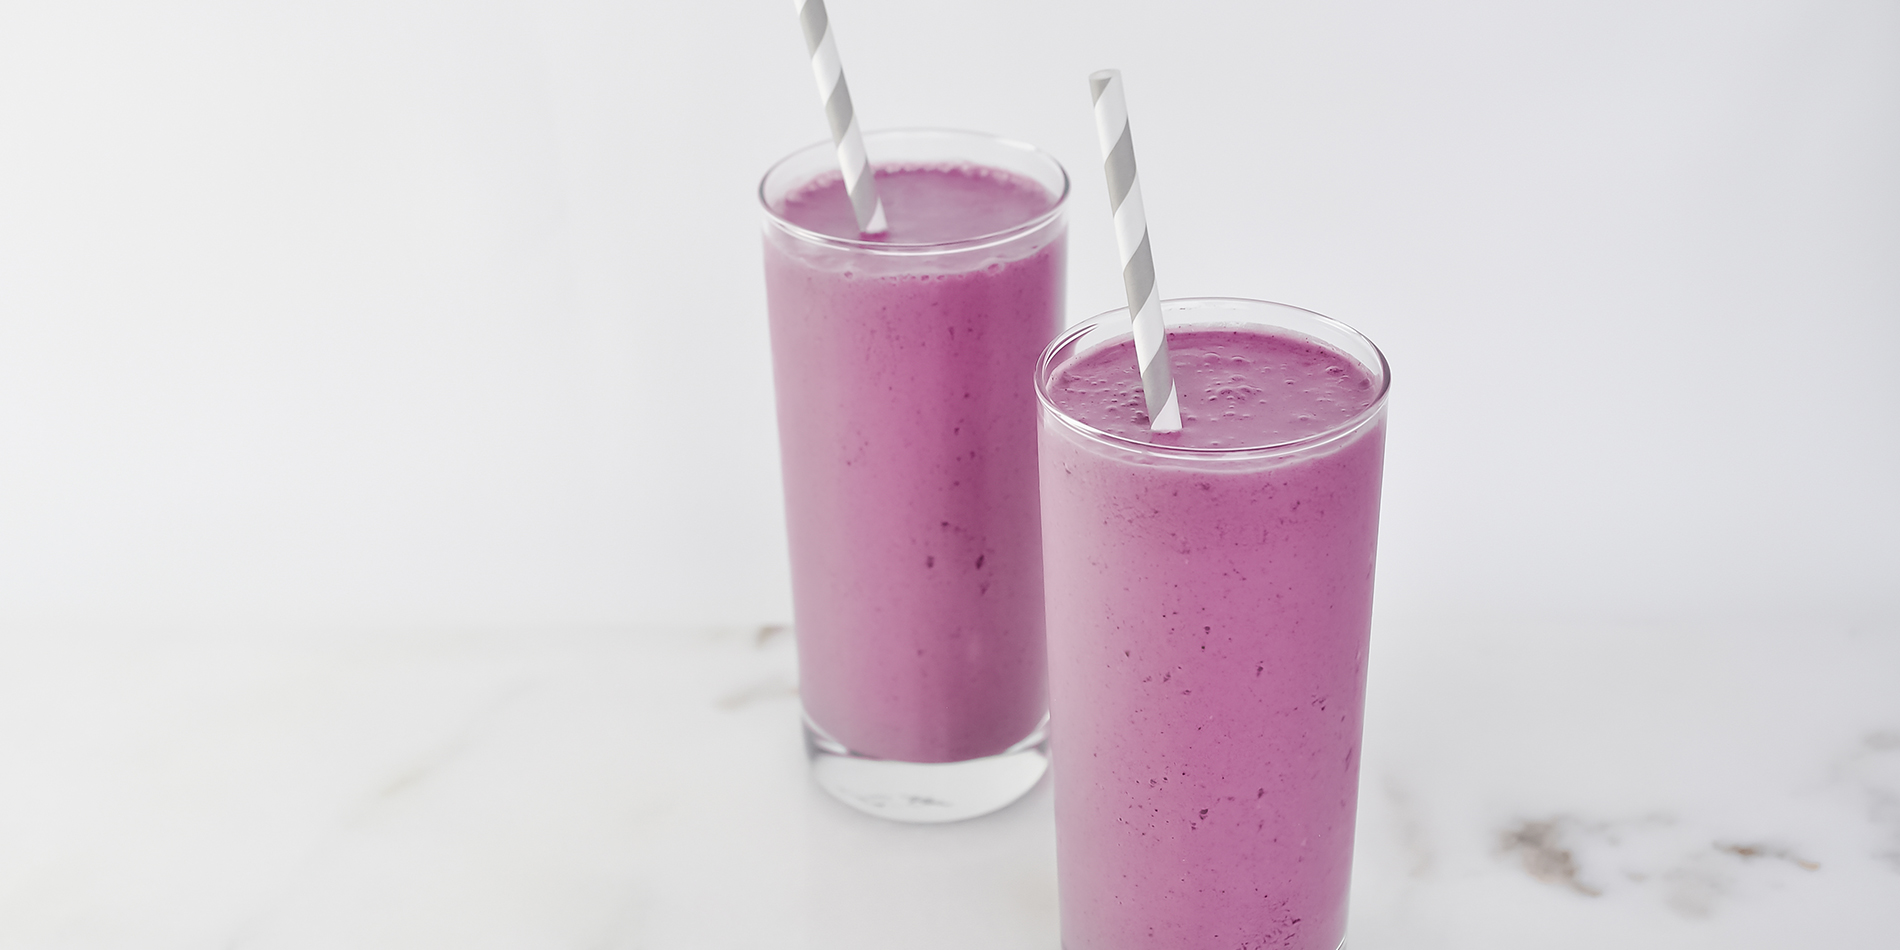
[
  {"x": 924, "y": 204},
  {"x": 1237, "y": 387}
]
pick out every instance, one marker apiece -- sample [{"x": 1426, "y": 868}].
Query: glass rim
[
  {"x": 1054, "y": 210},
  {"x": 1045, "y": 370}
]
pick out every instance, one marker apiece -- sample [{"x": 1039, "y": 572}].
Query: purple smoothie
[
  {"x": 1209, "y": 609},
  {"x": 907, "y": 431}
]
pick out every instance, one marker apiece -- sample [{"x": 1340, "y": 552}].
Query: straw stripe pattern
[
  {"x": 1138, "y": 265},
  {"x": 825, "y": 67}
]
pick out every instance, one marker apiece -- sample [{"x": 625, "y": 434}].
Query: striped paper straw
[
  {"x": 844, "y": 123},
  {"x": 1138, "y": 265}
]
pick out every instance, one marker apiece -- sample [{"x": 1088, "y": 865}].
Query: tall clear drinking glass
[
  {"x": 907, "y": 430},
  {"x": 1210, "y": 602}
]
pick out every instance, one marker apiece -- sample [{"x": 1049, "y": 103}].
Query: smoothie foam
[
  {"x": 1208, "y": 622},
  {"x": 907, "y": 433}
]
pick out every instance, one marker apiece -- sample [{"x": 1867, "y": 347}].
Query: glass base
[
  {"x": 927, "y": 792},
  {"x": 1342, "y": 945}
]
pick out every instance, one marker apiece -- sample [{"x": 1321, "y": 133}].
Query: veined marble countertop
[{"x": 1524, "y": 785}]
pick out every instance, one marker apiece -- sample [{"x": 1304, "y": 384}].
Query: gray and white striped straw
[
  {"x": 1138, "y": 265},
  {"x": 844, "y": 123}
]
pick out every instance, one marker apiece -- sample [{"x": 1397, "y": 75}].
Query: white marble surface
[{"x": 1526, "y": 785}]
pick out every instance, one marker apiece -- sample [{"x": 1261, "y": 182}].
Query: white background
[{"x": 450, "y": 314}]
